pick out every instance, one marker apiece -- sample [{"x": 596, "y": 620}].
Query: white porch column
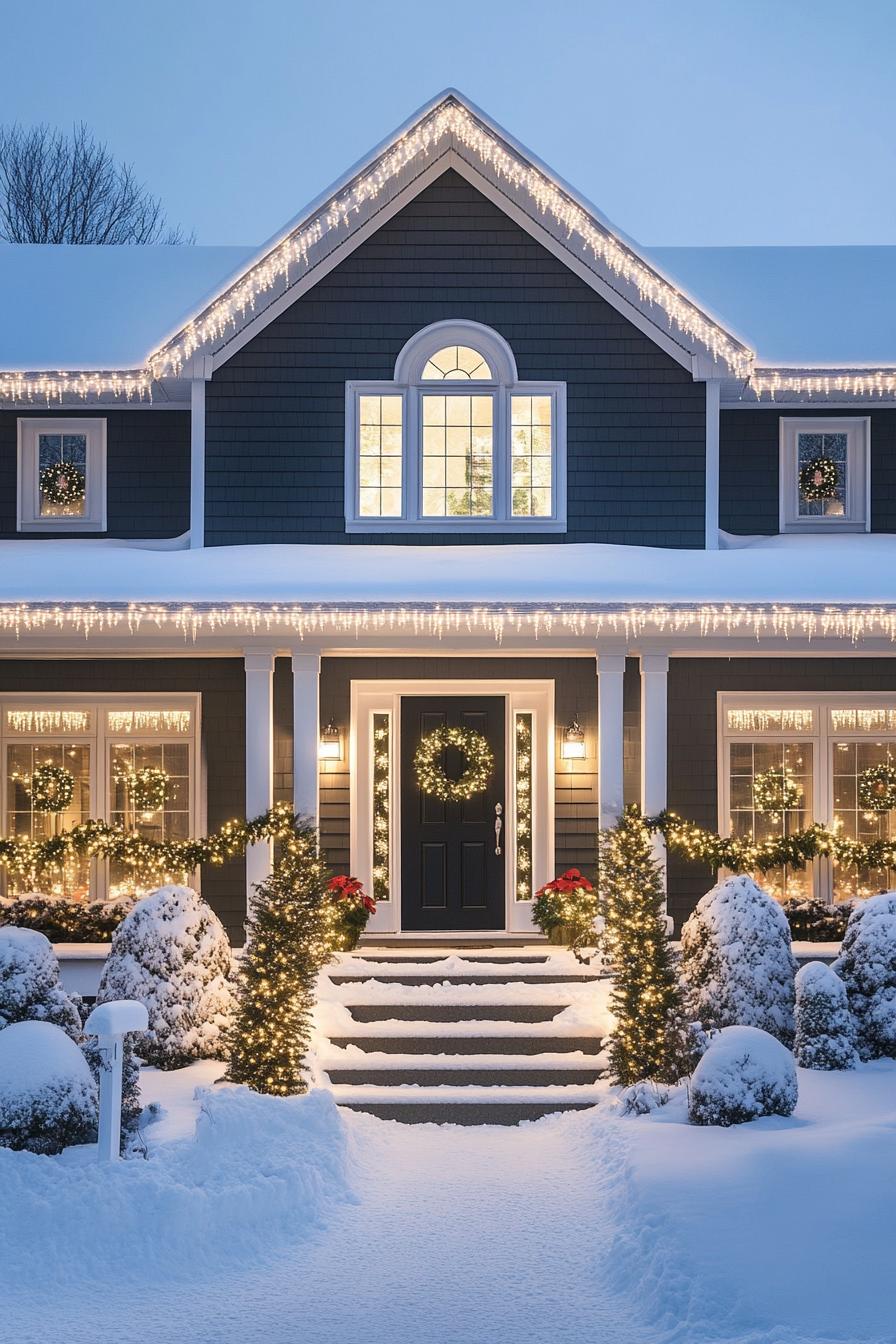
[
  {"x": 654, "y": 738},
  {"x": 259, "y": 757},
  {"x": 610, "y": 674},
  {"x": 306, "y": 733},
  {"x": 713, "y": 397}
]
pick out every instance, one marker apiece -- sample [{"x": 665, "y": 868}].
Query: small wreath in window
[
  {"x": 819, "y": 479},
  {"x": 431, "y": 776},
  {"x": 149, "y": 788},
  {"x": 877, "y": 788},
  {"x": 775, "y": 791},
  {"x": 52, "y": 788},
  {"x": 62, "y": 484}
]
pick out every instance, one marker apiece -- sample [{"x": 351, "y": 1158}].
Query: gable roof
[{"x": 122, "y": 321}]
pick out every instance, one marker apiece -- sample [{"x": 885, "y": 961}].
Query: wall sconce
[
  {"x": 572, "y": 747},
  {"x": 330, "y": 743}
]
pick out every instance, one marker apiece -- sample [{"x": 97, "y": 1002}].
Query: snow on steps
[{"x": 492, "y": 1037}]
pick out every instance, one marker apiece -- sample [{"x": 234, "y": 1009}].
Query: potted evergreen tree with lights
[
  {"x": 290, "y": 936},
  {"x": 652, "y": 1039}
]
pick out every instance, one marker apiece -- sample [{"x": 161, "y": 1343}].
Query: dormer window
[
  {"x": 825, "y": 474},
  {"x": 62, "y": 475},
  {"x": 456, "y": 442}
]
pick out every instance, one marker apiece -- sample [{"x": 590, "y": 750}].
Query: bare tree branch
[{"x": 58, "y": 187}]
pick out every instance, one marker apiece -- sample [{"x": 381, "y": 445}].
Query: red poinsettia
[
  {"x": 351, "y": 889},
  {"x": 571, "y": 880}
]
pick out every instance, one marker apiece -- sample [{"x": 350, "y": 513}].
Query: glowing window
[{"x": 459, "y": 362}]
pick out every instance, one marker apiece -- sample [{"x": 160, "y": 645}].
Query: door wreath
[{"x": 431, "y": 777}]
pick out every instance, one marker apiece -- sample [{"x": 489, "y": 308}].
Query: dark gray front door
[{"x": 451, "y": 876}]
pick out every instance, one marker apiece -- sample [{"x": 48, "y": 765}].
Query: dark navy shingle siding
[
  {"x": 147, "y": 471},
  {"x": 749, "y": 460},
  {"x": 275, "y": 411}
]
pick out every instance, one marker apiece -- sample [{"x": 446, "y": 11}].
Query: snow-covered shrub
[
  {"x": 131, "y": 1102},
  {"x": 29, "y": 982},
  {"x": 642, "y": 1098},
  {"x": 48, "y": 1099},
  {"x": 867, "y": 967},
  {"x": 744, "y": 1073},
  {"x": 736, "y": 960},
  {"x": 824, "y": 1025},
  {"x": 172, "y": 954}
]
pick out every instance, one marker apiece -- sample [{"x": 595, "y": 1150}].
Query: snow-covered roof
[
  {"x": 101, "y": 307},
  {"x": 806, "y": 307}
]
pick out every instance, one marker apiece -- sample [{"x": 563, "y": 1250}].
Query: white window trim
[
  {"x": 28, "y": 505},
  {"x": 384, "y": 697},
  {"x": 858, "y": 505},
  {"x": 820, "y": 870},
  {"x": 98, "y": 738},
  {"x": 411, "y": 389}
]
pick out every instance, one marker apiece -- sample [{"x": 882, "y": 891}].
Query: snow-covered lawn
[{"x": 292, "y": 1221}]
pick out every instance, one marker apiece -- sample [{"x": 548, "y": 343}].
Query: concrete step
[
  {"x": 491, "y": 959},
  {"x": 508, "y": 977},
  {"x": 363, "y": 1075},
  {"x": 464, "y": 1112},
  {"x": 454, "y": 1012},
  {"x": 471, "y": 1045}
]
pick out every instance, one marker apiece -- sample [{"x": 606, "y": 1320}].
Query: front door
[{"x": 452, "y": 878}]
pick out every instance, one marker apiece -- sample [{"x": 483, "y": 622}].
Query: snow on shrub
[
  {"x": 642, "y": 1098},
  {"x": 867, "y": 967},
  {"x": 48, "y": 1099},
  {"x": 172, "y": 954},
  {"x": 736, "y": 960},
  {"x": 824, "y": 1025},
  {"x": 29, "y": 982},
  {"x": 744, "y": 1074}
]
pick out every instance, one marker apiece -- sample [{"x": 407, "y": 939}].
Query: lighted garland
[
  {"x": 52, "y": 788},
  {"x": 148, "y": 860},
  {"x": 819, "y": 479},
  {"x": 877, "y": 788},
  {"x": 149, "y": 788},
  {"x": 431, "y": 777},
  {"x": 776, "y": 791},
  {"x": 524, "y": 807},
  {"x": 381, "y": 826},
  {"x": 743, "y": 854},
  {"x": 62, "y": 484}
]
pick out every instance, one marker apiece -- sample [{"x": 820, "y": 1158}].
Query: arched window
[{"x": 455, "y": 442}]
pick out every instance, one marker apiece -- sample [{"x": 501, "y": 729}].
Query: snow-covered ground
[{"x": 284, "y": 1221}]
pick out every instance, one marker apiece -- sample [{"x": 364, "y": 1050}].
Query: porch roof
[{"x": 836, "y": 586}]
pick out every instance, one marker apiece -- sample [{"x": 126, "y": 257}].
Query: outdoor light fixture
[
  {"x": 573, "y": 746},
  {"x": 330, "y": 743}
]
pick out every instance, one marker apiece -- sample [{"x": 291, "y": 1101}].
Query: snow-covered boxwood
[
  {"x": 825, "y": 1030},
  {"x": 736, "y": 960},
  {"x": 867, "y": 967},
  {"x": 48, "y": 1099},
  {"x": 745, "y": 1073},
  {"x": 172, "y": 954},
  {"x": 29, "y": 982}
]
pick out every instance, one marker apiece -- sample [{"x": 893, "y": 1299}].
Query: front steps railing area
[{"x": 484, "y": 1035}]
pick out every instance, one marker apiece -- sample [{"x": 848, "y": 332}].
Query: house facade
[{"x": 449, "y": 453}]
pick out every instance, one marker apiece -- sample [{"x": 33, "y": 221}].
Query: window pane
[
  {"x": 61, "y": 472},
  {"x": 531, "y": 461},
  {"x": 458, "y": 450},
  {"x": 160, "y": 815},
  {"x": 379, "y": 456},
  {"x": 23, "y": 814},
  {"x": 758, "y": 771},
  {"x": 857, "y": 818},
  {"x": 457, "y": 362},
  {"x": 821, "y": 448}
]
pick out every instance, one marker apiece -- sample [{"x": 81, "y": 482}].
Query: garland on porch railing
[
  {"x": 149, "y": 861},
  {"x": 746, "y": 854}
]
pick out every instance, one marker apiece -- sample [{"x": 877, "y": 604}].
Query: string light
[
  {"x": 381, "y": 801},
  {"x": 441, "y": 620},
  {"x": 770, "y": 720},
  {"x": 126, "y": 721},
  {"x": 39, "y": 721},
  {"x": 523, "y": 774},
  {"x": 775, "y": 383}
]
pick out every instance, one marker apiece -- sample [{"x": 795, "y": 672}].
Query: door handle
[{"x": 498, "y": 827}]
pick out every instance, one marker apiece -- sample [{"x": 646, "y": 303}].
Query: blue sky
[{"x": 685, "y": 121}]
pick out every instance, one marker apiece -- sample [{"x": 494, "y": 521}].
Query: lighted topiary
[
  {"x": 290, "y": 935},
  {"x": 652, "y": 1038}
]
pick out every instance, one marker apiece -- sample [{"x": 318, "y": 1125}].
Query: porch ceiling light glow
[
  {"x": 330, "y": 743},
  {"x": 573, "y": 746}
]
